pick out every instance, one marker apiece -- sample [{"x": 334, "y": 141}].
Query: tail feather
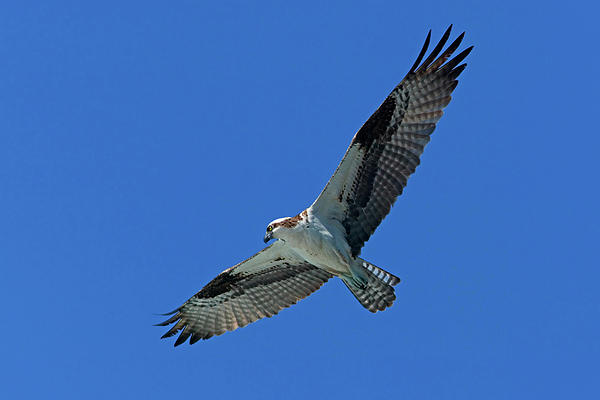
[
  {"x": 385, "y": 276},
  {"x": 377, "y": 293}
]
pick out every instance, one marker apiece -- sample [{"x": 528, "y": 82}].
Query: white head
[
  {"x": 275, "y": 228},
  {"x": 279, "y": 228}
]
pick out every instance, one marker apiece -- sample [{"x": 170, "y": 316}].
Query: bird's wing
[
  {"x": 259, "y": 287},
  {"x": 386, "y": 149}
]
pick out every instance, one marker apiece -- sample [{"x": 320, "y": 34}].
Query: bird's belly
[{"x": 323, "y": 254}]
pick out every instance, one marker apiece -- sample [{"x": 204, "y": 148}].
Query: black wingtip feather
[
  {"x": 436, "y": 50},
  {"x": 170, "y": 320},
  {"x": 422, "y": 53},
  {"x": 185, "y": 334},
  {"x": 170, "y": 312},
  {"x": 173, "y": 331},
  {"x": 195, "y": 337},
  {"x": 454, "y": 45},
  {"x": 456, "y": 71},
  {"x": 456, "y": 60}
]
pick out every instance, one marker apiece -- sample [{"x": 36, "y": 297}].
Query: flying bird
[{"x": 325, "y": 240}]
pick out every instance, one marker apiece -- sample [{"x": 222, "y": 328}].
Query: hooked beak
[{"x": 268, "y": 236}]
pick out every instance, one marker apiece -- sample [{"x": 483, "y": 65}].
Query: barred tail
[{"x": 377, "y": 293}]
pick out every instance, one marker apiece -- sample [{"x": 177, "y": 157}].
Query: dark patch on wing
[
  {"x": 377, "y": 125},
  {"x": 224, "y": 282},
  {"x": 228, "y": 281}
]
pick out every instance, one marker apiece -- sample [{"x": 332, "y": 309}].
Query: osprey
[{"x": 325, "y": 240}]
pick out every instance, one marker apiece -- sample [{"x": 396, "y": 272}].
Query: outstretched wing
[
  {"x": 259, "y": 287},
  {"x": 386, "y": 149}
]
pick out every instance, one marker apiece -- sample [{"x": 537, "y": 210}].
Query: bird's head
[{"x": 276, "y": 228}]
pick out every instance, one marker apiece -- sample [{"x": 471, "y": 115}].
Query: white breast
[{"x": 315, "y": 243}]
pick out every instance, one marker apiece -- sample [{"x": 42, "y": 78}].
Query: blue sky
[{"x": 145, "y": 146}]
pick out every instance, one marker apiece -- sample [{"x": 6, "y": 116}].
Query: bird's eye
[{"x": 269, "y": 228}]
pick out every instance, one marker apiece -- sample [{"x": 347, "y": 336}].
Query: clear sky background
[{"x": 145, "y": 146}]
